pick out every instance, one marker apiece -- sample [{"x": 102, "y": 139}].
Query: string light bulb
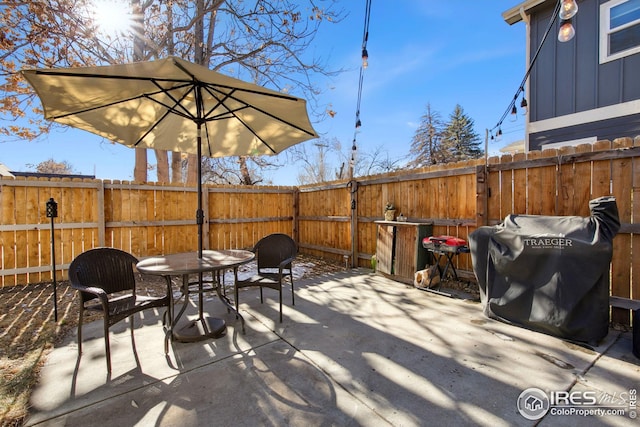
[
  {"x": 365, "y": 58},
  {"x": 567, "y": 32},
  {"x": 568, "y": 9},
  {"x": 524, "y": 106},
  {"x": 354, "y": 149},
  {"x": 514, "y": 113}
]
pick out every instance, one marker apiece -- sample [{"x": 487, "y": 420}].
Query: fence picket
[
  {"x": 621, "y": 180},
  {"x": 504, "y": 182},
  {"x": 548, "y": 184},
  {"x": 582, "y": 183},
  {"x": 520, "y": 185},
  {"x": 566, "y": 182}
]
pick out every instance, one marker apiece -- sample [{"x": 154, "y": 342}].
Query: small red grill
[{"x": 447, "y": 246}]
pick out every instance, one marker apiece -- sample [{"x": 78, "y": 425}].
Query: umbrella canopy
[
  {"x": 169, "y": 104},
  {"x": 161, "y": 104}
]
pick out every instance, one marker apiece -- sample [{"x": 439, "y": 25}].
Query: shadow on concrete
[{"x": 356, "y": 349}]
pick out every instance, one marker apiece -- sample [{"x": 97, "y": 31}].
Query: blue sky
[{"x": 420, "y": 51}]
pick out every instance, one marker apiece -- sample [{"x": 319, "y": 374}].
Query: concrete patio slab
[{"x": 356, "y": 349}]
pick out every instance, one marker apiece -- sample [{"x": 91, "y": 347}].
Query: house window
[{"x": 619, "y": 29}]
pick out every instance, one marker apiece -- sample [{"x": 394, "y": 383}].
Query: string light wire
[
  {"x": 533, "y": 61},
  {"x": 363, "y": 66}
]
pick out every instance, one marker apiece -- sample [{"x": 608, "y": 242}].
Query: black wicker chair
[
  {"x": 274, "y": 255},
  {"x": 107, "y": 275}
]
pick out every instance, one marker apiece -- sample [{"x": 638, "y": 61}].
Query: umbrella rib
[
  {"x": 206, "y": 131},
  {"x": 213, "y": 87},
  {"x": 253, "y": 91},
  {"x": 286, "y": 122},
  {"x": 151, "y": 128},
  {"x": 170, "y": 109},
  {"x": 220, "y": 102},
  {"x": 210, "y": 89},
  {"x": 99, "y": 107},
  {"x": 178, "y": 102},
  {"x": 105, "y": 76},
  {"x": 232, "y": 112},
  {"x": 234, "y": 88},
  {"x": 256, "y": 135}
]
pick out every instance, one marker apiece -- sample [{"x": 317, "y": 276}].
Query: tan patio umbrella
[{"x": 175, "y": 105}]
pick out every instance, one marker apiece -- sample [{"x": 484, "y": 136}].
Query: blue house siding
[
  {"x": 599, "y": 100},
  {"x": 542, "y": 81},
  {"x": 631, "y": 78},
  {"x": 585, "y": 45}
]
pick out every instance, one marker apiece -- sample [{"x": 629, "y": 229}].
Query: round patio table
[{"x": 186, "y": 264}]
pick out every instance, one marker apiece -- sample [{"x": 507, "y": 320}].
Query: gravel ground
[{"x": 27, "y": 311}]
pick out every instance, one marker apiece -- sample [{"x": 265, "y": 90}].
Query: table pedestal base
[{"x": 201, "y": 329}]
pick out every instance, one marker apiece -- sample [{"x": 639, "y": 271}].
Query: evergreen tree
[
  {"x": 459, "y": 139},
  {"x": 426, "y": 143}
]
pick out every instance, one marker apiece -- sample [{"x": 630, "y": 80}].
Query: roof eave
[{"x": 514, "y": 15}]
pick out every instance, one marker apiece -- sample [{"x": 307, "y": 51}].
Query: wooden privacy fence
[
  {"x": 144, "y": 219},
  {"x": 334, "y": 220}
]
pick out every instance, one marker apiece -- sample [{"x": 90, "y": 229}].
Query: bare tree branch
[{"x": 263, "y": 41}]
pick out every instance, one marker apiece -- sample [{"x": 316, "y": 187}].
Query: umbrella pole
[
  {"x": 200, "y": 220},
  {"x": 199, "y": 212}
]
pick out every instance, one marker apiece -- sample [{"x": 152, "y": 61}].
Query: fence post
[
  {"x": 207, "y": 218},
  {"x": 296, "y": 215},
  {"x": 482, "y": 198},
  {"x": 353, "y": 189},
  {"x": 102, "y": 225}
]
